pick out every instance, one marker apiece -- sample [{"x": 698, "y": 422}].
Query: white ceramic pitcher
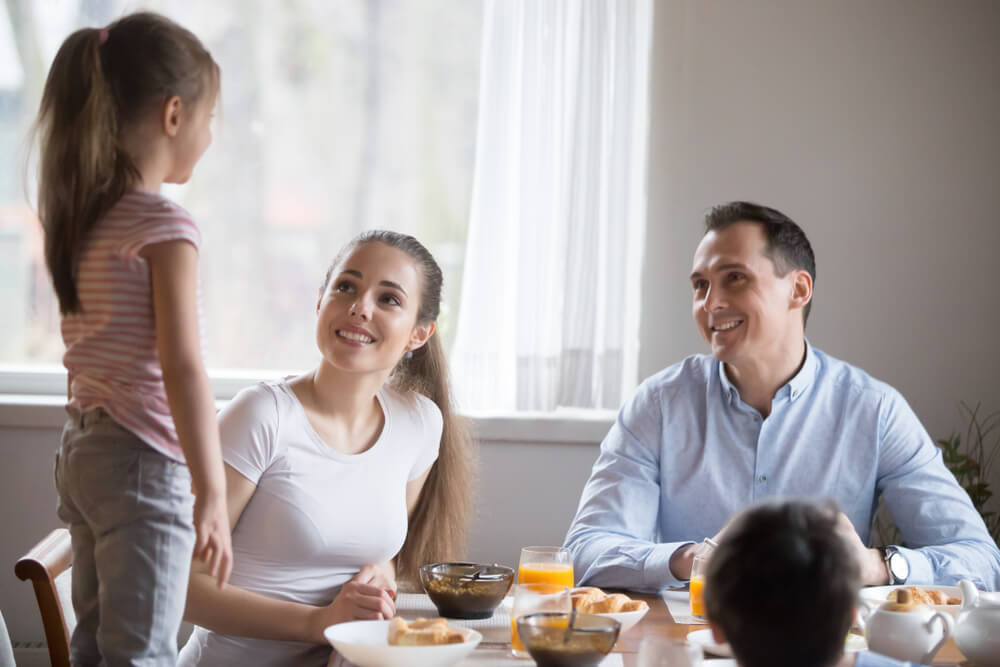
[
  {"x": 977, "y": 631},
  {"x": 912, "y": 634}
]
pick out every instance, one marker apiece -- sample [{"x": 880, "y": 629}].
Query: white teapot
[
  {"x": 906, "y": 631},
  {"x": 977, "y": 631}
]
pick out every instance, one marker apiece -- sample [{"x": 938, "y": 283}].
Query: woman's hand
[
  {"x": 360, "y": 599},
  {"x": 382, "y": 575}
]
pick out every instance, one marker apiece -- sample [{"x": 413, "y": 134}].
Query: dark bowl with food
[
  {"x": 551, "y": 641},
  {"x": 466, "y": 590}
]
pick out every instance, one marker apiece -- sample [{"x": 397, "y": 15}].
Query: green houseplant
[
  {"x": 969, "y": 456},
  {"x": 971, "y": 461}
]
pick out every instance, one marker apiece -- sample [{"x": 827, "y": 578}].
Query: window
[
  {"x": 335, "y": 117},
  {"x": 524, "y": 159}
]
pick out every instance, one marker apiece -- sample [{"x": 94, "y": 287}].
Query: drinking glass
[
  {"x": 664, "y": 652},
  {"x": 545, "y": 565},
  {"x": 532, "y": 598},
  {"x": 696, "y": 594}
]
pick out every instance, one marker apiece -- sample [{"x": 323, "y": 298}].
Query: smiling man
[{"x": 767, "y": 415}]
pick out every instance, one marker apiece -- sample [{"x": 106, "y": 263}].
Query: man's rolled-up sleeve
[
  {"x": 613, "y": 536},
  {"x": 945, "y": 537}
]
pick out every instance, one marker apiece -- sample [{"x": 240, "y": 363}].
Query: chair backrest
[{"x": 42, "y": 565}]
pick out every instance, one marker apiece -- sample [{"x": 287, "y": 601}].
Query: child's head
[
  {"x": 104, "y": 85},
  {"x": 781, "y": 586}
]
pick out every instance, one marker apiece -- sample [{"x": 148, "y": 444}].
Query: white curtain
[{"x": 550, "y": 291}]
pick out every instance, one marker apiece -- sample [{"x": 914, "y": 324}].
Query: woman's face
[{"x": 367, "y": 316}]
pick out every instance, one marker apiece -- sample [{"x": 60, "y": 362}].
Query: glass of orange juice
[
  {"x": 545, "y": 565},
  {"x": 696, "y": 593},
  {"x": 533, "y": 598}
]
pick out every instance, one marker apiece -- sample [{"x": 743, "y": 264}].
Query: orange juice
[
  {"x": 696, "y": 596},
  {"x": 533, "y": 598},
  {"x": 515, "y": 641},
  {"x": 546, "y": 573}
]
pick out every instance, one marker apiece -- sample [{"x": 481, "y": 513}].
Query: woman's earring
[{"x": 409, "y": 354}]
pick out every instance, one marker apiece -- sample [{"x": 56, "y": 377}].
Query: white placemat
[
  {"x": 412, "y": 605},
  {"x": 677, "y": 603}
]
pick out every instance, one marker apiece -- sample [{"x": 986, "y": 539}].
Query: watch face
[{"x": 899, "y": 567}]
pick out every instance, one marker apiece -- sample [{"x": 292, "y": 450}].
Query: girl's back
[{"x": 110, "y": 342}]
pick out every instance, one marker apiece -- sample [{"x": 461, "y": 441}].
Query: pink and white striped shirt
[{"x": 111, "y": 352}]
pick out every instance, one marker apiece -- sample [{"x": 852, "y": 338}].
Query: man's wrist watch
[{"x": 896, "y": 563}]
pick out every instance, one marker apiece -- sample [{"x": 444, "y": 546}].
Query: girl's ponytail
[{"x": 83, "y": 172}]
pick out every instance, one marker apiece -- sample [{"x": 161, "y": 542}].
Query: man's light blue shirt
[{"x": 686, "y": 453}]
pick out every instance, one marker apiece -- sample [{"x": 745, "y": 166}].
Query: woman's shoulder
[
  {"x": 265, "y": 400},
  {"x": 413, "y": 406}
]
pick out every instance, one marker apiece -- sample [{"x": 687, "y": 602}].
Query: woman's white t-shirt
[{"x": 317, "y": 516}]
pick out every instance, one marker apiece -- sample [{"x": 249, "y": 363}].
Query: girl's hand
[
  {"x": 213, "y": 541},
  {"x": 356, "y": 601}
]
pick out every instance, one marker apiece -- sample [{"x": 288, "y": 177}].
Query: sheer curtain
[{"x": 550, "y": 294}]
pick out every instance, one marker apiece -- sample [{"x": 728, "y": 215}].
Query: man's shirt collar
[{"x": 792, "y": 389}]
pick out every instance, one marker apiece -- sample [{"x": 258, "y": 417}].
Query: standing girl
[{"x": 125, "y": 109}]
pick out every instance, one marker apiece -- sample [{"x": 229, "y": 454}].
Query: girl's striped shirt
[{"x": 111, "y": 352}]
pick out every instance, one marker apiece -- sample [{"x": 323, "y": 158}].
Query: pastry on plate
[
  {"x": 926, "y": 596},
  {"x": 423, "y": 632},
  {"x": 590, "y": 600}
]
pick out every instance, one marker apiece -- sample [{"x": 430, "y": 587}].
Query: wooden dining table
[{"x": 495, "y": 648}]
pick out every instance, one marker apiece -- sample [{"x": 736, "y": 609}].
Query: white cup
[{"x": 664, "y": 652}]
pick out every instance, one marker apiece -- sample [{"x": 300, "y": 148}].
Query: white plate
[
  {"x": 365, "y": 643},
  {"x": 706, "y": 641},
  {"x": 627, "y": 618},
  {"x": 878, "y": 594}
]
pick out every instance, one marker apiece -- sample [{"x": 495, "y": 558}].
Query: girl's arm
[
  {"x": 174, "y": 270},
  {"x": 234, "y": 611}
]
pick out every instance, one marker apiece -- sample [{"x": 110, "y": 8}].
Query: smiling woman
[{"x": 343, "y": 476}]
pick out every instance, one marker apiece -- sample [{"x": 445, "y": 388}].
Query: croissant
[
  {"x": 585, "y": 596},
  {"x": 423, "y": 632},
  {"x": 591, "y": 600},
  {"x": 925, "y": 596}
]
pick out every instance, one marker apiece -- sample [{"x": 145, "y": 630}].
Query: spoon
[
  {"x": 569, "y": 628},
  {"x": 478, "y": 573}
]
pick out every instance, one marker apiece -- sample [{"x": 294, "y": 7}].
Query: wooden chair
[{"x": 42, "y": 565}]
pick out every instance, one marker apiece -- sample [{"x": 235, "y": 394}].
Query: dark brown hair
[
  {"x": 787, "y": 245},
  {"x": 782, "y": 586},
  {"x": 101, "y": 83},
  {"x": 439, "y": 524}
]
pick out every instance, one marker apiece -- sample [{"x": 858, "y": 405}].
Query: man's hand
[
  {"x": 682, "y": 559},
  {"x": 874, "y": 571}
]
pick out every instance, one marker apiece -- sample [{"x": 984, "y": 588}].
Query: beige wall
[{"x": 875, "y": 126}]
